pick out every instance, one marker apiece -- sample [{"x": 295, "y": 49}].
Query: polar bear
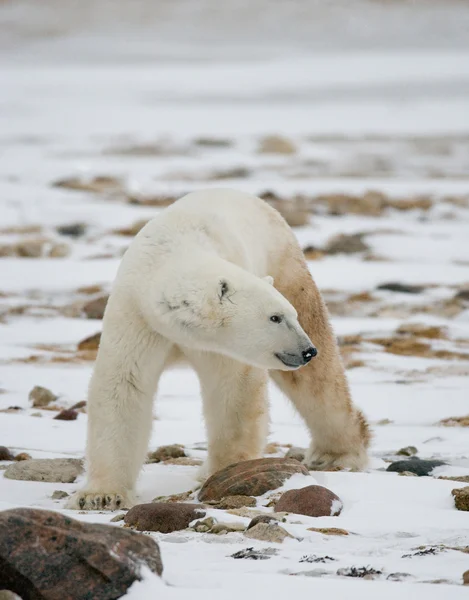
[{"x": 197, "y": 281}]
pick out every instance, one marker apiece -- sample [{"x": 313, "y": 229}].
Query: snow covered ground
[{"x": 164, "y": 119}]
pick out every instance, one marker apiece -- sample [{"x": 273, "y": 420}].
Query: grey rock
[
  {"x": 54, "y": 470},
  {"x": 59, "y": 495},
  {"x": 407, "y": 451},
  {"x": 219, "y": 528},
  {"x": 204, "y": 525},
  {"x": 297, "y": 453},
  {"x": 268, "y": 532},
  {"x": 41, "y": 396},
  {"x": 262, "y": 519}
]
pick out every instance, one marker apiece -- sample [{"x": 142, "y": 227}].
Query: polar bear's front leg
[
  {"x": 235, "y": 409},
  {"x": 129, "y": 363},
  {"x": 320, "y": 390}
]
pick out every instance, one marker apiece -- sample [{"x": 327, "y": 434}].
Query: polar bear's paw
[
  {"x": 316, "y": 460},
  {"x": 92, "y": 500}
]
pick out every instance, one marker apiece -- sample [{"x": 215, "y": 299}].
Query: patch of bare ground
[
  {"x": 455, "y": 421},
  {"x": 35, "y": 247},
  {"x": 99, "y": 184},
  {"x": 409, "y": 340}
]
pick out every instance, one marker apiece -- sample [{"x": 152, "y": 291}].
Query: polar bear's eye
[
  {"x": 276, "y": 319},
  {"x": 223, "y": 289}
]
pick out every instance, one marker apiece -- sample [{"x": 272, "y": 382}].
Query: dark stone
[
  {"x": 252, "y": 554},
  {"x": 403, "y": 288},
  {"x": 162, "y": 517},
  {"x": 5, "y": 454},
  {"x": 312, "y": 501},
  {"x": 362, "y": 572},
  {"x": 346, "y": 244},
  {"x": 261, "y": 519},
  {"x": 415, "y": 465},
  {"x": 45, "y": 555},
  {"x": 72, "y": 230},
  {"x": 250, "y": 478},
  {"x": 94, "y": 309},
  {"x": 67, "y": 415},
  {"x": 462, "y": 295}
]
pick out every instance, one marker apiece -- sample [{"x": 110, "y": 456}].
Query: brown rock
[
  {"x": 231, "y": 502},
  {"x": 461, "y": 498},
  {"x": 78, "y": 405},
  {"x": 90, "y": 343},
  {"x": 98, "y": 184},
  {"x": 455, "y": 421},
  {"x": 23, "y": 456},
  {"x": 268, "y": 532},
  {"x": 329, "y": 530},
  {"x": 94, "y": 309},
  {"x": 461, "y": 478},
  {"x": 276, "y": 144},
  {"x": 425, "y": 331},
  {"x": 30, "y": 248},
  {"x": 313, "y": 501},
  {"x": 465, "y": 578},
  {"x": 132, "y": 229},
  {"x": 346, "y": 244},
  {"x": 162, "y": 517},
  {"x": 165, "y": 452},
  {"x": 5, "y": 454},
  {"x": 41, "y": 396},
  {"x": 250, "y": 478},
  {"x": 47, "y": 556},
  {"x": 67, "y": 415},
  {"x": 261, "y": 519}
]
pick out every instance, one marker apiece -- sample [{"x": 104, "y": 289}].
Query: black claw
[
  {"x": 118, "y": 502},
  {"x": 81, "y": 502},
  {"x": 108, "y": 501}
]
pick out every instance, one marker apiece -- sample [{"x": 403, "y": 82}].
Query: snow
[{"x": 373, "y": 98}]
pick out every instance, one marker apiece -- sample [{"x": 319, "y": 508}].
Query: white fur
[{"x": 194, "y": 280}]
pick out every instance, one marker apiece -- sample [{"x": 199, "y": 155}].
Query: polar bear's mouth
[{"x": 293, "y": 361}]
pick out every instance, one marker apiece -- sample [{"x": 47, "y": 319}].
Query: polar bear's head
[{"x": 219, "y": 307}]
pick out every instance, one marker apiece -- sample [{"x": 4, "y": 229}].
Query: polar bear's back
[{"x": 246, "y": 229}]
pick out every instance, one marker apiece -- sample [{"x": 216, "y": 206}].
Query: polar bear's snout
[{"x": 295, "y": 360}]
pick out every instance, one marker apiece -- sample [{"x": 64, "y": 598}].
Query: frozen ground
[{"x": 163, "y": 119}]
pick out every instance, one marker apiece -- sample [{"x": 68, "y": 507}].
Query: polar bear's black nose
[{"x": 308, "y": 354}]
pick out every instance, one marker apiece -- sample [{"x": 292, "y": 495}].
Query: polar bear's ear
[{"x": 269, "y": 279}]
